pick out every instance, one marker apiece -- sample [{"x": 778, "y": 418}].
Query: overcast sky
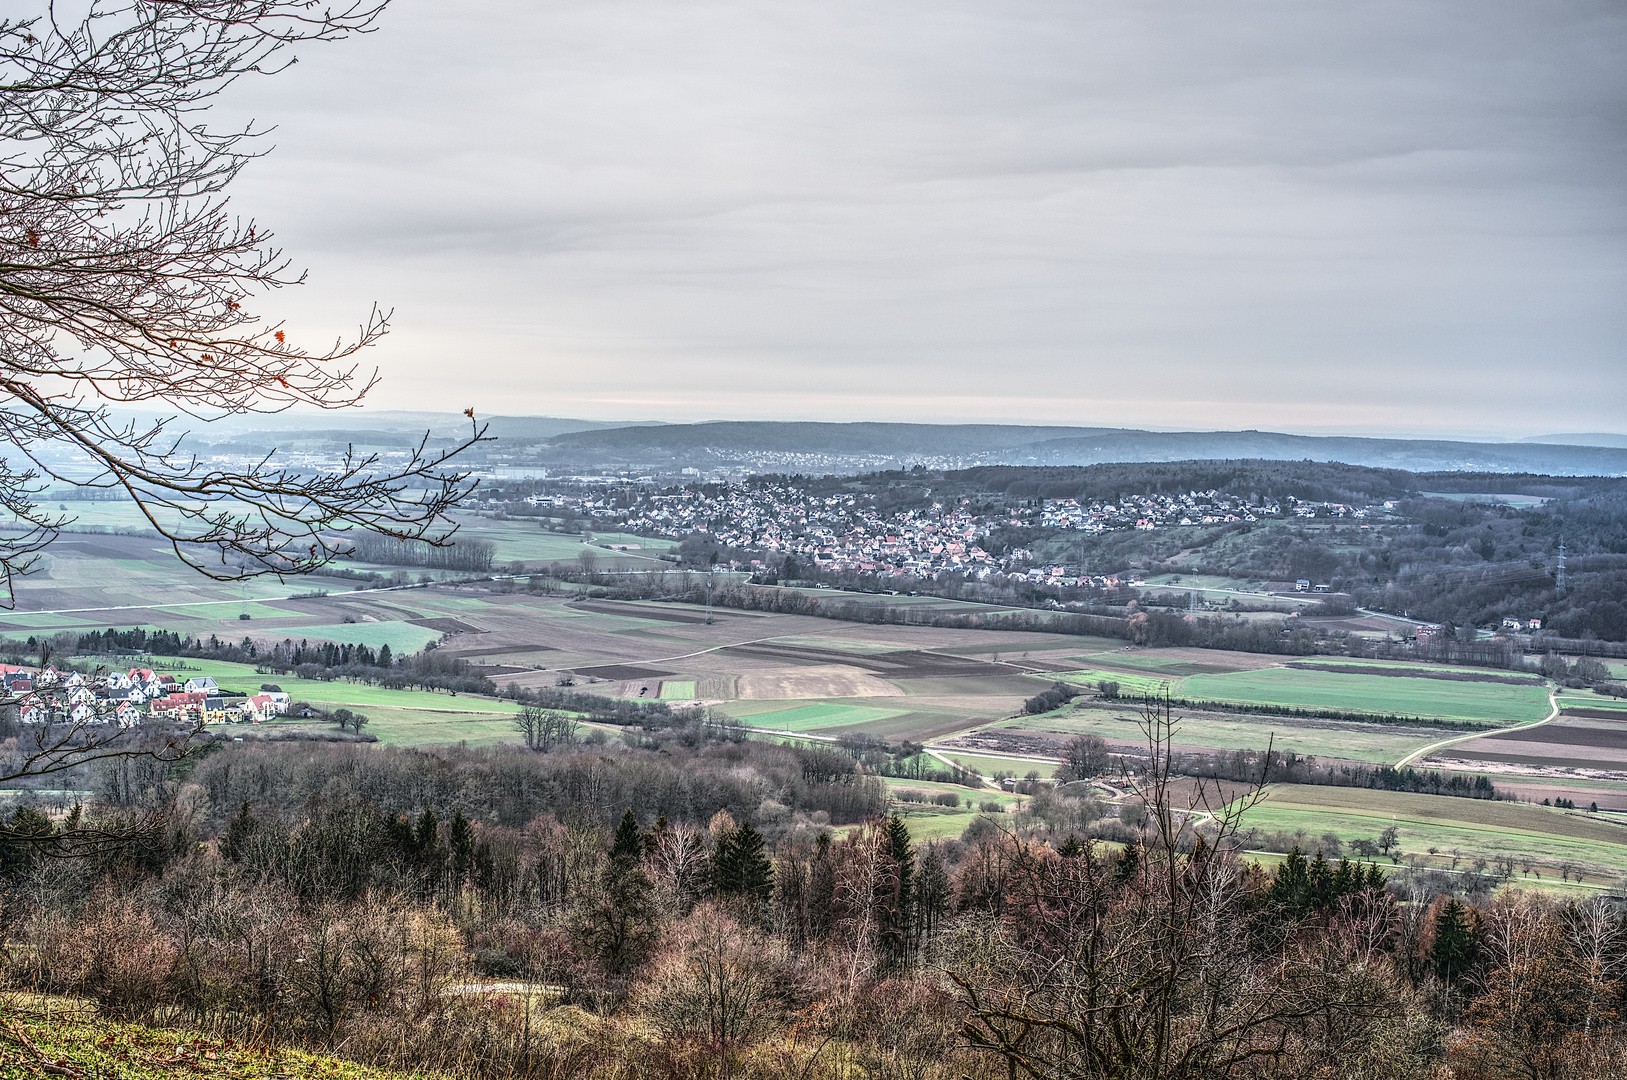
[{"x": 1383, "y": 217}]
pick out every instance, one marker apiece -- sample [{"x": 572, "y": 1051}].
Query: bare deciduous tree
[
  {"x": 1133, "y": 968},
  {"x": 125, "y": 281},
  {"x": 544, "y": 729}
]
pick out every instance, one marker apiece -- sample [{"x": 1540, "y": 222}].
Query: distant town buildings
[{"x": 849, "y": 533}]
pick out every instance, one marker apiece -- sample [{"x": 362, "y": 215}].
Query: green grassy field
[
  {"x": 1586, "y": 699},
  {"x": 806, "y": 717},
  {"x": 1378, "y": 743},
  {"x": 396, "y": 717},
  {"x": 1373, "y": 693},
  {"x": 1477, "y": 829},
  {"x": 1421, "y": 668},
  {"x": 1311, "y": 689},
  {"x": 1131, "y": 686},
  {"x": 928, "y": 822}
]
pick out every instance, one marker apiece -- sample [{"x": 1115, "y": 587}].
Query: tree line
[{"x": 468, "y": 555}]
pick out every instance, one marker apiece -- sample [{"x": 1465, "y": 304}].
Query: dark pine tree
[
  {"x": 1455, "y": 949},
  {"x": 821, "y": 888},
  {"x": 629, "y": 842},
  {"x": 739, "y": 867},
  {"x": 895, "y": 907},
  {"x": 461, "y": 841}
]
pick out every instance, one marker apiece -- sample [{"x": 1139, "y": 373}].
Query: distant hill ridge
[{"x": 723, "y": 442}]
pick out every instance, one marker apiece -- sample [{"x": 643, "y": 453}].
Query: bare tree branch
[{"x": 125, "y": 280}]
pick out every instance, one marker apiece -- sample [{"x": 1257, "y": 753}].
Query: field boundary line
[{"x": 1553, "y": 714}]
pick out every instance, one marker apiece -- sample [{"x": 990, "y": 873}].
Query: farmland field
[
  {"x": 1477, "y": 829},
  {"x": 989, "y": 764},
  {"x": 1311, "y": 689},
  {"x": 1353, "y": 741},
  {"x": 929, "y": 822},
  {"x": 1371, "y": 693},
  {"x": 789, "y": 672},
  {"x": 1575, "y": 756},
  {"x": 401, "y": 637},
  {"x": 812, "y": 718}
]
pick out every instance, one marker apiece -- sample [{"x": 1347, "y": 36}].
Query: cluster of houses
[
  {"x": 53, "y": 695},
  {"x": 847, "y": 532}
]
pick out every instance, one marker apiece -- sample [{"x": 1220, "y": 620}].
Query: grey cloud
[{"x": 1400, "y": 215}]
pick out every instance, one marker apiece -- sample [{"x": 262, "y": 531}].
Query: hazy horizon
[{"x": 316, "y": 418}]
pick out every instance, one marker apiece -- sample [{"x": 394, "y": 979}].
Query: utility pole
[
  {"x": 1559, "y": 572},
  {"x": 710, "y": 568}
]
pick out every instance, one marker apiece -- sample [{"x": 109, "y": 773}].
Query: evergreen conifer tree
[
  {"x": 1454, "y": 949},
  {"x": 739, "y": 867},
  {"x": 629, "y": 842},
  {"x": 26, "y": 841},
  {"x": 932, "y": 892},
  {"x": 895, "y": 908},
  {"x": 234, "y": 842},
  {"x": 1129, "y": 860},
  {"x": 821, "y": 887},
  {"x": 461, "y": 837}
]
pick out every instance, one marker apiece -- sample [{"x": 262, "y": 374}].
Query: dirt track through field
[{"x": 1553, "y": 714}]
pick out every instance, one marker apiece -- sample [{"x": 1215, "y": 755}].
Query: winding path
[{"x": 1553, "y": 714}]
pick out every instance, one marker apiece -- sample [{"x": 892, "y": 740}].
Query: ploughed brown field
[
  {"x": 1579, "y": 757},
  {"x": 1574, "y": 742}
]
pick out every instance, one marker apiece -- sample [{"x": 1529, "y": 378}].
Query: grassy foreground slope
[{"x": 34, "y": 1044}]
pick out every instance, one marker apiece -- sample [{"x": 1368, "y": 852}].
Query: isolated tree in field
[
  {"x": 347, "y": 718},
  {"x": 1083, "y": 757},
  {"x": 1387, "y": 838},
  {"x": 125, "y": 281}
]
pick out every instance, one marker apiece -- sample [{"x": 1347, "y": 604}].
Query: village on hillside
[
  {"x": 848, "y": 533},
  {"x": 49, "y": 695}
]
